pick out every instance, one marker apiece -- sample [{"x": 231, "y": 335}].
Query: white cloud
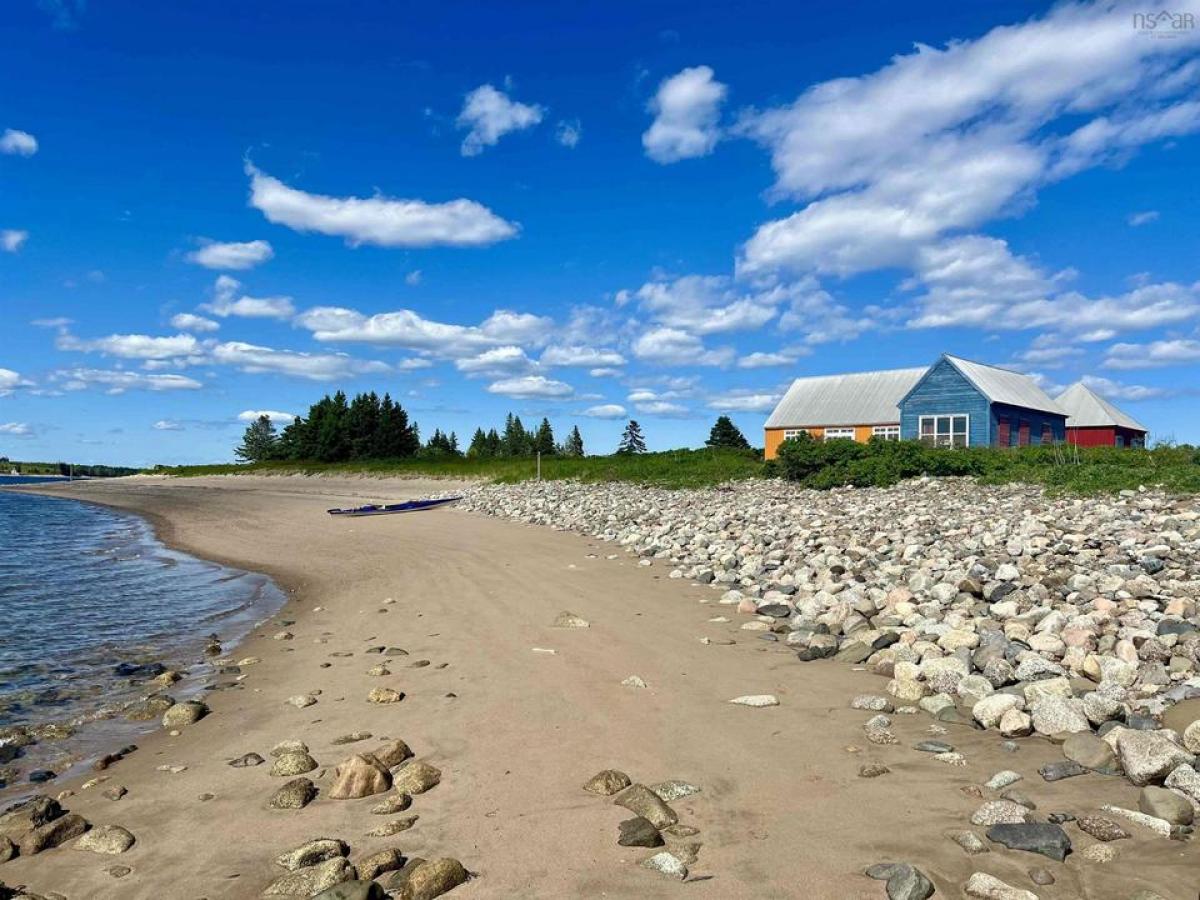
[
  {"x": 743, "y": 401},
  {"x": 605, "y": 411},
  {"x": 117, "y": 381},
  {"x": 762, "y": 360},
  {"x": 18, "y": 143},
  {"x": 167, "y": 425},
  {"x": 226, "y": 302},
  {"x": 190, "y": 322},
  {"x": 413, "y": 278},
  {"x": 1115, "y": 390},
  {"x": 946, "y": 139},
  {"x": 232, "y": 255},
  {"x": 569, "y": 133},
  {"x": 686, "y": 112},
  {"x": 313, "y": 366},
  {"x": 531, "y": 386},
  {"x": 497, "y": 362},
  {"x": 673, "y": 347},
  {"x": 706, "y": 304},
  {"x": 604, "y": 372},
  {"x": 279, "y": 418},
  {"x": 1153, "y": 354},
  {"x": 581, "y": 355},
  {"x": 1143, "y": 218},
  {"x": 9, "y": 381},
  {"x": 56, "y": 322},
  {"x": 132, "y": 346},
  {"x": 663, "y": 408},
  {"x": 379, "y": 220},
  {"x": 408, "y": 328},
  {"x": 11, "y": 239},
  {"x": 16, "y": 429},
  {"x": 413, "y": 363},
  {"x": 658, "y": 403},
  {"x": 489, "y": 114}
]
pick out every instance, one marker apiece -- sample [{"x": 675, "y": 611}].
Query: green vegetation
[
  {"x": 1079, "y": 470},
  {"x": 669, "y": 469},
  {"x": 61, "y": 468},
  {"x": 725, "y": 434},
  {"x": 632, "y": 440}
]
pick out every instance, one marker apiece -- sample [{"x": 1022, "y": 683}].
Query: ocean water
[{"x": 84, "y": 590}]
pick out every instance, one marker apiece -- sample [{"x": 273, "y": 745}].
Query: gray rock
[
  {"x": 1090, "y": 752},
  {"x": 970, "y": 842},
  {"x": 186, "y": 713},
  {"x": 1057, "y": 771},
  {"x": 909, "y": 883},
  {"x": 1035, "y": 837},
  {"x": 638, "y": 832},
  {"x": 371, "y": 867},
  {"x": 982, "y": 886},
  {"x": 997, "y": 812},
  {"x": 244, "y": 762},
  {"x": 1101, "y": 828},
  {"x": 295, "y": 794},
  {"x": 667, "y": 864},
  {"x": 311, "y": 853},
  {"x": 109, "y": 839},
  {"x": 607, "y": 783},
  {"x": 1149, "y": 756},
  {"x": 52, "y": 834},
  {"x": 353, "y": 890},
  {"x": 642, "y": 801},
  {"x": 934, "y": 747},
  {"x": 417, "y": 778},
  {"x": 1165, "y": 804},
  {"x": 312, "y": 879},
  {"x": 289, "y": 764}
]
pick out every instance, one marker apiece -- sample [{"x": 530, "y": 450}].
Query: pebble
[
  {"x": 1101, "y": 828},
  {"x": 872, "y": 770},
  {"x": 417, "y": 778},
  {"x": 987, "y": 887},
  {"x": 1155, "y": 824},
  {"x": 295, "y": 794},
  {"x": 666, "y": 864},
  {"x": 570, "y": 620},
  {"x": 634, "y": 681},
  {"x": 1001, "y": 780},
  {"x": 394, "y": 827},
  {"x": 970, "y": 842},
  {"x": 638, "y": 832},
  {"x": 384, "y": 695},
  {"x": 1035, "y": 837},
  {"x": 756, "y": 700},
  {"x": 607, "y": 783}
]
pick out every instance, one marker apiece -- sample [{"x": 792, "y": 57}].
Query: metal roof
[
  {"x": 1005, "y": 386},
  {"x": 861, "y": 398},
  {"x": 1087, "y": 409}
]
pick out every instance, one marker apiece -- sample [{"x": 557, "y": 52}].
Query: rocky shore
[{"x": 1035, "y": 618}]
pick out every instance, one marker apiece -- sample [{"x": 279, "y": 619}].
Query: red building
[{"x": 1094, "y": 422}]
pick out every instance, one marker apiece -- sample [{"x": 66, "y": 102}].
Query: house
[
  {"x": 954, "y": 403},
  {"x": 860, "y": 406},
  {"x": 960, "y": 403},
  {"x": 1094, "y": 422}
]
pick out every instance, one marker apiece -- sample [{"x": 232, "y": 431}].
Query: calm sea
[{"x": 83, "y": 590}]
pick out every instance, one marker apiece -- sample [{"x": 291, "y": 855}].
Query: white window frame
[
  {"x": 838, "y": 434},
  {"x": 886, "y": 432},
  {"x": 950, "y": 434},
  {"x": 789, "y": 433}
]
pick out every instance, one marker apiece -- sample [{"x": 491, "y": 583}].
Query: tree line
[{"x": 367, "y": 427}]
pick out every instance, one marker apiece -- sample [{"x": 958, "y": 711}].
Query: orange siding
[{"x": 773, "y": 437}]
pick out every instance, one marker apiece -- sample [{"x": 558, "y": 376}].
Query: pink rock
[
  {"x": 1126, "y": 651},
  {"x": 747, "y": 605},
  {"x": 1079, "y": 637},
  {"x": 1104, "y": 605}
]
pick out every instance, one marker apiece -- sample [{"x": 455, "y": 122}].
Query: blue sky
[{"x": 588, "y": 211}]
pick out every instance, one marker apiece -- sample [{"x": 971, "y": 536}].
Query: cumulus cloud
[
  {"x": 232, "y": 255},
  {"x": 569, "y": 133},
  {"x": 605, "y": 411},
  {"x": 686, "y": 112},
  {"x": 229, "y": 301},
  {"x": 674, "y": 347},
  {"x": 529, "y": 386},
  {"x": 191, "y": 322},
  {"x": 11, "y": 239},
  {"x": 117, "y": 381},
  {"x": 132, "y": 346},
  {"x": 743, "y": 401},
  {"x": 18, "y": 143},
  {"x": 705, "y": 304},
  {"x": 764, "y": 360},
  {"x": 279, "y": 418},
  {"x": 488, "y": 114},
  {"x": 9, "y": 381},
  {"x": 945, "y": 139},
  {"x": 1153, "y": 354},
  {"x": 1115, "y": 390},
  {"x": 408, "y": 328},
  {"x": 16, "y": 429},
  {"x": 581, "y": 355},
  {"x": 660, "y": 403},
  {"x": 256, "y": 359},
  {"x": 496, "y": 362},
  {"x": 379, "y": 220}
]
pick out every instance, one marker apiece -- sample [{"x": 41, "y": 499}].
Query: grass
[{"x": 669, "y": 469}]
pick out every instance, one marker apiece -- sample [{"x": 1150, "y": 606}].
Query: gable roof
[
  {"x": 1087, "y": 409},
  {"x": 1004, "y": 385},
  {"x": 859, "y": 398}
]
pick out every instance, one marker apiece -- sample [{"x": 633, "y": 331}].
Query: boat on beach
[{"x": 388, "y": 509}]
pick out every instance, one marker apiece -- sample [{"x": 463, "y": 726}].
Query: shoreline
[{"x": 516, "y": 733}]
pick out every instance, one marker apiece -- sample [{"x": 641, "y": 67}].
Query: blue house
[{"x": 959, "y": 403}]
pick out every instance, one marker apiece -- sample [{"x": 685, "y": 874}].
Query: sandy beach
[{"x": 782, "y": 811}]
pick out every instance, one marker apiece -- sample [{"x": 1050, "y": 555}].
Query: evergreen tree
[
  {"x": 725, "y": 434},
  {"x": 632, "y": 440},
  {"x": 258, "y": 443},
  {"x": 332, "y": 437},
  {"x": 362, "y": 425},
  {"x": 543, "y": 440},
  {"x": 452, "y": 445},
  {"x": 479, "y": 446},
  {"x": 517, "y": 441},
  {"x": 574, "y": 443},
  {"x": 291, "y": 440},
  {"x": 494, "y": 443}
]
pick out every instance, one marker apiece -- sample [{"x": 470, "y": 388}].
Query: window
[
  {"x": 944, "y": 431},
  {"x": 789, "y": 433},
  {"x": 886, "y": 432},
  {"x": 833, "y": 434}
]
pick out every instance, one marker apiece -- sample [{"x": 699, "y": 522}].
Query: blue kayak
[{"x": 377, "y": 510}]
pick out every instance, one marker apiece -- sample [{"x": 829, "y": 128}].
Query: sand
[{"x": 782, "y": 812}]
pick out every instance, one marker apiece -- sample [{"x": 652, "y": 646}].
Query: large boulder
[
  {"x": 428, "y": 879},
  {"x": 311, "y": 853},
  {"x": 642, "y": 801},
  {"x": 1164, "y": 804},
  {"x": 296, "y": 794},
  {"x": 53, "y": 833},
  {"x": 991, "y": 709},
  {"x": 186, "y": 713},
  {"x": 1149, "y": 756},
  {"x": 417, "y": 778},
  {"x": 312, "y": 880},
  {"x": 362, "y": 775},
  {"x": 110, "y": 839},
  {"x": 1058, "y": 715},
  {"x": 1035, "y": 837}
]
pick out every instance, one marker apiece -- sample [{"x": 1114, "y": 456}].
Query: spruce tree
[
  {"x": 495, "y": 445},
  {"x": 479, "y": 445},
  {"x": 632, "y": 440},
  {"x": 725, "y": 434},
  {"x": 574, "y": 443},
  {"x": 258, "y": 443},
  {"x": 543, "y": 441}
]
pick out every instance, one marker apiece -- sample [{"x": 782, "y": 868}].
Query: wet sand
[{"x": 782, "y": 812}]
